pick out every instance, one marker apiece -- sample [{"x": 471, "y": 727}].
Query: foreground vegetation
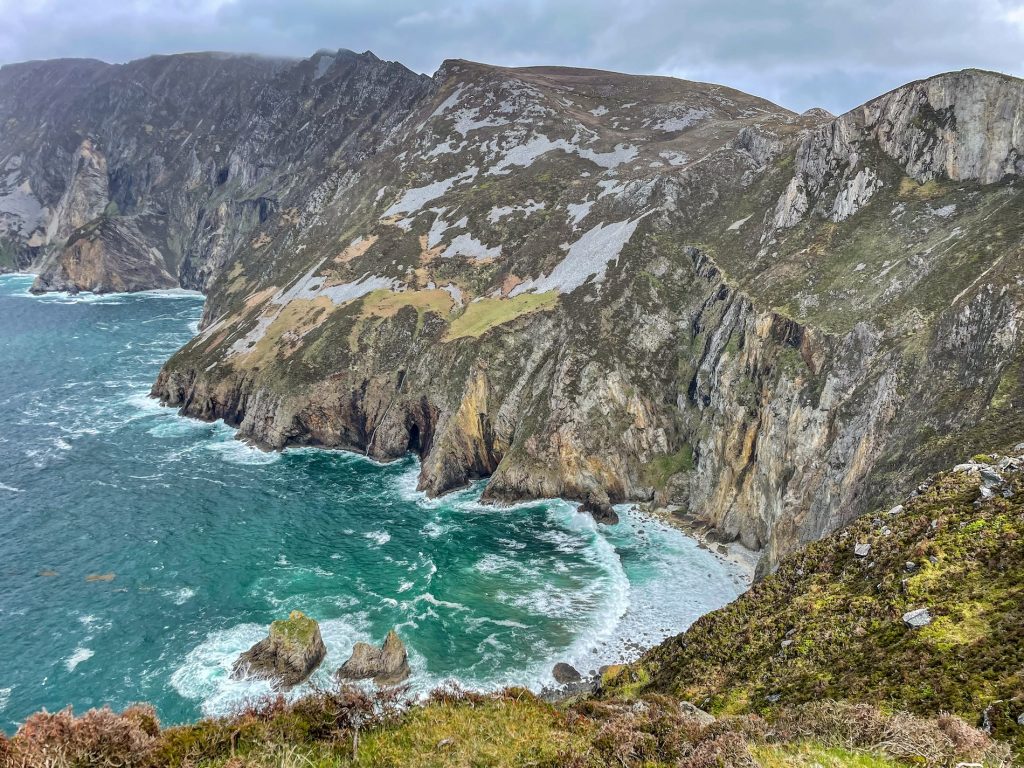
[
  {"x": 829, "y": 624},
  {"x": 815, "y": 666},
  {"x": 513, "y": 728}
]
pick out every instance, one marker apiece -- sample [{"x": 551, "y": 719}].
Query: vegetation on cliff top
[
  {"x": 829, "y": 624},
  {"x": 820, "y": 664},
  {"x": 512, "y": 728}
]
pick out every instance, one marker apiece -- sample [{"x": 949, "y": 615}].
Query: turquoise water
[{"x": 209, "y": 540}]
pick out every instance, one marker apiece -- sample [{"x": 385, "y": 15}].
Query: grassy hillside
[
  {"x": 829, "y": 624},
  {"x": 454, "y": 729}
]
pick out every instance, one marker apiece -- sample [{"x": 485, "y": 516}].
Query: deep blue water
[{"x": 203, "y": 540}]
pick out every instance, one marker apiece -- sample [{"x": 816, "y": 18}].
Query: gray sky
[{"x": 802, "y": 53}]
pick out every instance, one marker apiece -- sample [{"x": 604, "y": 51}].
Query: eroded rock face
[
  {"x": 386, "y": 665},
  {"x": 189, "y": 153},
  {"x": 290, "y": 653},
  {"x": 580, "y": 284}
]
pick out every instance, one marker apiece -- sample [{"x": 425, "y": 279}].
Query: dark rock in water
[
  {"x": 387, "y": 665},
  {"x": 566, "y": 673},
  {"x": 287, "y": 656},
  {"x": 601, "y": 510}
]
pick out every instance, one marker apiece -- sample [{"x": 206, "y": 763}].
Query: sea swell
[{"x": 187, "y": 542}]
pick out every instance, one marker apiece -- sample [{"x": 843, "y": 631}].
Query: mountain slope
[
  {"x": 575, "y": 283},
  {"x": 189, "y": 152},
  {"x": 832, "y": 622}
]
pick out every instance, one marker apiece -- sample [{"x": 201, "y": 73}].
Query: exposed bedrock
[{"x": 572, "y": 283}]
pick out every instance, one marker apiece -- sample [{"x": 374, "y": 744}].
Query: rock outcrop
[
  {"x": 188, "y": 153},
  {"x": 289, "y": 654},
  {"x": 386, "y": 665},
  {"x": 573, "y": 283},
  {"x": 942, "y": 636},
  {"x": 565, "y": 673}
]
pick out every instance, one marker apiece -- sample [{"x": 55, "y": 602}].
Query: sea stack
[
  {"x": 387, "y": 665},
  {"x": 289, "y": 654}
]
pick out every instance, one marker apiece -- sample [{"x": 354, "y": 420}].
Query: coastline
[{"x": 702, "y": 533}]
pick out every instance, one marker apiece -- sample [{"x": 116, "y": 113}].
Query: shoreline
[{"x": 703, "y": 534}]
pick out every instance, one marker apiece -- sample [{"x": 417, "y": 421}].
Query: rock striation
[{"x": 573, "y": 283}]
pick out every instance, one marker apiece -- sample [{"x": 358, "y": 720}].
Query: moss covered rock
[{"x": 288, "y": 655}]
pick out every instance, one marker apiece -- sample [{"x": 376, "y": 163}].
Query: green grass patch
[
  {"x": 461, "y": 735},
  {"x": 484, "y": 314},
  {"x": 810, "y": 755},
  {"x": 664, "y": 467}
]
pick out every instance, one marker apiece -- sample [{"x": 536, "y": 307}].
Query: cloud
[{"x": 800, "y": 53}]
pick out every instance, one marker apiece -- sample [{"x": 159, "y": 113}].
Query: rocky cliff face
[
  {"x": 575, "y": 283},
  {"x": 172, "y": 162}
]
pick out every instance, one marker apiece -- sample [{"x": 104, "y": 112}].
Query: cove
[{"x": 142, "y": 551}]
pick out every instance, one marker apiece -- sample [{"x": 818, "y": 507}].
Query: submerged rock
[
  {"x": 566, "y": 673},
  {"x": 387, "y": 665},
  {"x": 288, "y": 655}
]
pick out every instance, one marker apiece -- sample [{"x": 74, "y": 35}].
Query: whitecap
[
  {"x": 10, "y": 488},
  {"x": 380, "y": 538},
  {"x": 76, "y": 658},
  {"x": 181, "y": 596},
  {"x": 235, "y": 451},
  {"x": 205, "y": 673},
  {"x": 5, "y": 697},
  {"x": 428, "y": 597}
]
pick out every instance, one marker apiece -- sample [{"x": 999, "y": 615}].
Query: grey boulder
[
  {"x": 387, "y": 665},
  {"x": 917, "y": 619}
]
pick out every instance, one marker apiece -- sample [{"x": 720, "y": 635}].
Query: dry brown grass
[
  {"x": 945, "y": 740},
  {"x": 100, "y": 738}
]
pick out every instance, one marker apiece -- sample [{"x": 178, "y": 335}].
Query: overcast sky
[{"x": 802, "y": 53}]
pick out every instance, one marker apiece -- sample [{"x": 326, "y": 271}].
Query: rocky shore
[{"x": 706, "y": 536}]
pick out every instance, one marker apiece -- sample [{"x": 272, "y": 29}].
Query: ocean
[{"x": 141, "y": 552}]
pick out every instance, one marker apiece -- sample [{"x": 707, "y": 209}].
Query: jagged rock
[
  {"x": 601, "y": 511},
  {"x": 990, "y": 476},
  {"x": 897, "y": 510},
  {"x": 608, "y": 366},
  {"x": 1020, "y": 719},
  {"x": 917, "y": 618},
  {"x": 386, "y": 665},
  {"x": 565, "y": 673},
  {"x": 696, "y": 713},
  {"x": 969, "y": 467},
  {"x": 862, "y": 550},
  {"x": 910, "y": 566},
  {"x": 289, "y": 654}
]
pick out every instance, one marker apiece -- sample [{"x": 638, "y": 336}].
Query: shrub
[
  {"x": 727, "y": 750},
  {"x": 97, "y": 739},
  {"x": 943, "y": 741}
]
